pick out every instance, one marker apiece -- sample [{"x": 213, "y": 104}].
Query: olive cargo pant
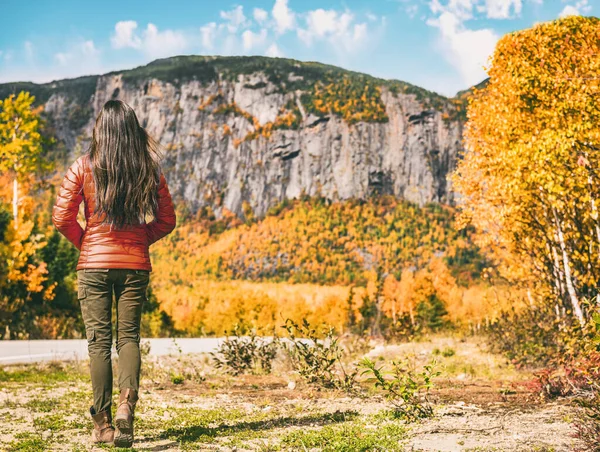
[{"x": 95, "y": 293}]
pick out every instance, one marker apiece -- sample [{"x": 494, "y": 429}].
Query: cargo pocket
[
  {"x": 81, "y": 292},
  {"x": 90, "y": 334}
]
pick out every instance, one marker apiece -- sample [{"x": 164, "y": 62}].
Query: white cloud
[
  {"x": 339, "y": 28},
  {"x": 208, "y": 33},
  {"x": 88, "y": 48},
  {"x": 260, "y": 15},
  {"x": 152, "y": 42},
  {"x": 569, "y": 10},
  {"x": 83, "y": 51},
  {"x": 62, "y": 58},
  {"x": 285, "y": 18},
  {"x": 501, "y": 9},
  {"x": 461, "y": 9},
  {"x": 274, "y": 51},
  {"x": 467, "y": 50},
  {"x": 251, "y": 39},
  {"x": 492, "y": 9},
  {"x": 163, "y": 43},
  {"x": 73, "y": 59},
  {"x": 578, "y": 9},
  {"x": 412, "y": 10},
  {"x": 124, "y": 35},
  {"x": 235, "y": 19},
  {"x": 321, "y": 22},
  {"x": 359, "y": 33}
]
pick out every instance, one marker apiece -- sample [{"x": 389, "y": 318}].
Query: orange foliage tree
[{"x": 529, "y": 178}]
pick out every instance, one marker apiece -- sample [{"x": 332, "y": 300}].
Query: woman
[{"x": 120, "y": 183}]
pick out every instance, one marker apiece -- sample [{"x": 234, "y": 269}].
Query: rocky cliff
[{"x": 249, "y": 132}]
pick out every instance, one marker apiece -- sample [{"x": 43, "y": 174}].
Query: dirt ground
[{"x": 481, "y": 404}]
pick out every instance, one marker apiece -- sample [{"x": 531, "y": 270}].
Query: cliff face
[{"x": 211, "y": 162}]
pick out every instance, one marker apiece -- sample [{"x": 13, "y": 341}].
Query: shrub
[
  {"x": 240, "y": 354},
  {"x": 533, "y": 336},
  {"x": 587, "y": 423},
  {"x": 318, "y": 361}
]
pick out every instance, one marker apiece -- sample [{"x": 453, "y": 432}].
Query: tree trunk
[
  {"x": 558, "y": 273},
  {"x": 376, "y": 331},
  {"x": 567, "y": 269}
]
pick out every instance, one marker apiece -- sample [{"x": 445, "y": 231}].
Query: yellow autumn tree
[
  {"x": 20, "y": 141},
  {"x": 529, "y": 178},
  {"x": 23, "y": 273}
]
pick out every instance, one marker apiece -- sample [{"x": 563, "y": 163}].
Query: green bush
[{"x": 406, "y": 389}]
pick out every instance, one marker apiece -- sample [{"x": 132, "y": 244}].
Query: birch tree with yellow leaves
[{"x": 529, "y": 179}]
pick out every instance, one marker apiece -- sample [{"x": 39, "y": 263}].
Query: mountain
[{"x": 246, "y": 133}]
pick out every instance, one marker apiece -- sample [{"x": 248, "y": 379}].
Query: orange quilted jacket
[{"x": 100, "y": 245}]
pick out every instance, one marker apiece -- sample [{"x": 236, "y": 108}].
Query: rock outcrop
[{"x": 207, "y": 163}]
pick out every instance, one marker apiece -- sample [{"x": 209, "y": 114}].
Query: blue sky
[{"x": 441, "y": 45}]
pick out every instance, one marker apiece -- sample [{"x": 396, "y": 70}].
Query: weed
[
  {"x": 238, "y": 354},
  {"x": 177, "y": 379},
  {"x": 407, "y": 390},
  {"x": 183, "y": 368},
  {"x": 446, "y": 353},
  {"x": 318, "y": 360}
]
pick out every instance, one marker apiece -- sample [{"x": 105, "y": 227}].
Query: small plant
[
  {"x": 240, "y": 354},
  {"x": 407, "y": 390},
  {"x": 177, "y": 379},
  {"x": 318, "y": 361},
  {"x": 446, "y": 353},
  {"x": 145, "y": 348}
]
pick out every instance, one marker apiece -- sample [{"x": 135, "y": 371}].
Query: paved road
[{"x": 17, "y": 352}]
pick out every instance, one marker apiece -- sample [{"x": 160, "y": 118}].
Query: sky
[{"x": 441, "y": 45}]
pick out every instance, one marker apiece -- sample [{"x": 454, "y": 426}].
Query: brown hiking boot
[
  {"x": 124, "y": 418},
  {"x": 103, "y": 430}
]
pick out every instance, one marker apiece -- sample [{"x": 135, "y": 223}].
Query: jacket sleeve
[
  {"x": 165, "y": 219},
  {"x": 66, "y": 208}
]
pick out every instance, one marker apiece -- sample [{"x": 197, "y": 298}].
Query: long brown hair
[{"x": 126, "y": 166}]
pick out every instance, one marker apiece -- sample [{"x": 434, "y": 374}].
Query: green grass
[
  {"x": 354, "y": 436},
  {"x": 42, "y": 405},
  {"x": 29, "y": 442},
  {"x": 52, "y": 422},
  {"x": 232, "y": 428},
  {"x": 43, "y": 374}
]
